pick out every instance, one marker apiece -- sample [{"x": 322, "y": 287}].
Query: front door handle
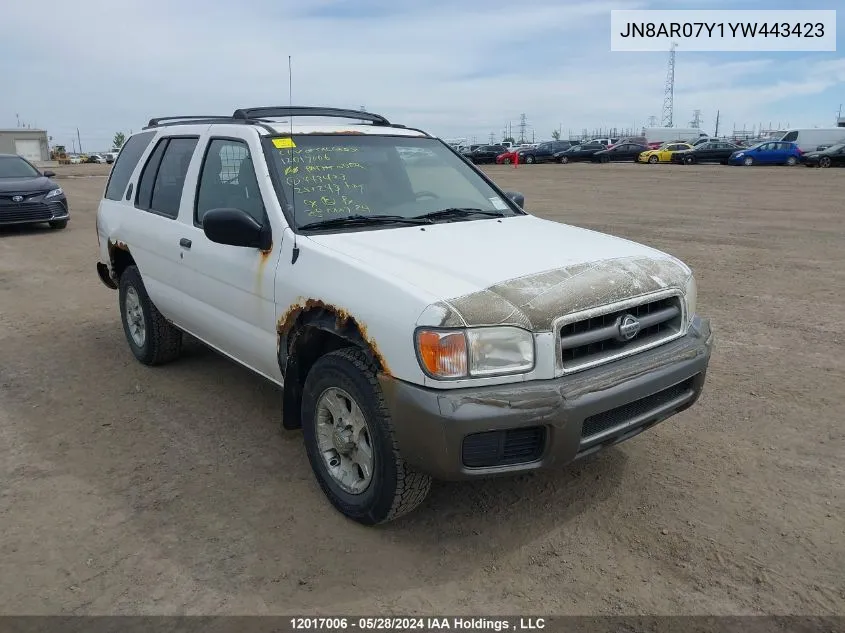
[{"x": 185, "y": 242}]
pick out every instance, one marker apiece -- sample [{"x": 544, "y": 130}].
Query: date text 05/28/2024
[{"x": 465, "y": 624}]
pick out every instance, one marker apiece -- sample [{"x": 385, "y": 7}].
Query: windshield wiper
[
  {"x": 458, "y": 212},
  {"x": 357, "y": 220}
]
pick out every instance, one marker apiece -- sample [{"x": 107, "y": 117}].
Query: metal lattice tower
[
  {"x": 523, "y": 123},
  {"x": 669, "y": 89},
  {"x": 696, "y": 119}
]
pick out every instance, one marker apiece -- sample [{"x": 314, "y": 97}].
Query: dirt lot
[{"x": 125, "y": 489}]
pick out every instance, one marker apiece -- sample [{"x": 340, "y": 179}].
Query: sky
[{"x": 456, "y": 68}]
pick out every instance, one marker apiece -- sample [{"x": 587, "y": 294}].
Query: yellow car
[{"x": 662, "y": 154}]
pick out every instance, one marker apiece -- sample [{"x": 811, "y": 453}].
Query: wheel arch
[{"x": 307, "y": 331}]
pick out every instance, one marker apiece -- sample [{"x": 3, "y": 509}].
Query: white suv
[{"x": 421, "y": 324}]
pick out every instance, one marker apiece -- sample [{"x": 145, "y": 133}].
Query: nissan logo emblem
[
  {"x": 629, "y": 327},
  {"x": 17, "y": 198}
]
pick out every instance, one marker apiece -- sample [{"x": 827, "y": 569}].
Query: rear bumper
[{"x": 489, "y": 431}]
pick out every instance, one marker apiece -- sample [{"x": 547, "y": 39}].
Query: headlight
[
  {"x": 54, "y": 193},
  {"x": 475, "y": 352},
  {"x": 740, "y": 155},
  {"x": 691, "y": 297}
]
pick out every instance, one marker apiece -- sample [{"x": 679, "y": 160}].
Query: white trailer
[{"x": 666, "y": 134}]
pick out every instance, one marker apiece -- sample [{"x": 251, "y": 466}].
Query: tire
[
  {"x": 791, "y": 161},
  {"x": 604, "y": 159},
  {"x": 748, "y": 161},
  {"x": 824, "y": 162},
  {"x": 653, "y": 160},
  {"x": 393, "y": 489},
  {"x": 529, "y": 159},
  {"x": 507, "y": 161},
  {"x": 564, "y": 160},
  {"x": 161, "y": 341},
  {"x": 689, "y": 160},
  {"x": 58, "y": 224}
]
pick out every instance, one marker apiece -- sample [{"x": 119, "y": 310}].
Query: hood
[
  {"x": 22, "y": 185},
  {"x": 522, "y": 271}
]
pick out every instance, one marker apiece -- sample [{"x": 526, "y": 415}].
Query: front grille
[
  {"x": 599, "y": 338},
  {"x": 30, "y": 211},
  {"x": 503, "y": 448},
  {"x": 634, "y": 413}
]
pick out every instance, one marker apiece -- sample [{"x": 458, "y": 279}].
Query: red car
[{"x": 506, "y": 159}]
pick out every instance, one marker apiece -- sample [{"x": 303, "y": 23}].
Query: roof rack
[
  {"x": 259, "y": 117},
  {"x": 291, "y": 111}
]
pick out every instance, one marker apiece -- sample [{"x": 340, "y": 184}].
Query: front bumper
[
  {"x": 504, "y": 429},
  {"x": 34, "y": 212}
]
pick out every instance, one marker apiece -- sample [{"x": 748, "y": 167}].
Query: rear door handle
[{"x": 185, "y": 242}]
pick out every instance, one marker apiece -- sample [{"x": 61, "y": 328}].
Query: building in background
[{"x": 33, "y": 145}]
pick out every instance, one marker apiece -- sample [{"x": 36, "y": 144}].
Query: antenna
[{"x": 295, "y": 254}]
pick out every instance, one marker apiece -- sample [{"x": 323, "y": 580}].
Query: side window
[
  {"x": 161, "y": 184},
  {"x": 791, "y": 137},
  {"x": 125, "y": 164},
  {"x": 228, "y": 180}
]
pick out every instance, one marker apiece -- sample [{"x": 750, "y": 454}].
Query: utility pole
[
  {"x": 717, "y": 125},
  {"x": 669, "y": 89},
  {"x": 79, "y": 138}
]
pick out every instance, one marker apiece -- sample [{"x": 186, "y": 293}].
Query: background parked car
[
  {"x": 543, "y": 153},
  {"x": 486, "y": 154},
  {"x": 469, "y": 149},
  {"x": 30, "y": 196},
  {"x": 832, "y": 156},
  {"x": 768, "y": 153},
  {"x": 662, "y": 154},
  {"x": 619, "y": 152},
  {"x": 710, "y": 152},
  {"x": 578, "y": 153},
  {"x": 507, "y": 158},
  {"x": 607, "y": 142},
  {"x": 95, "y": 158}
]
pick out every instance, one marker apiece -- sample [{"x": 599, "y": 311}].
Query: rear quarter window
[
  {"x": 125, "y": 164},
  {"x": 791, "y": 137}
]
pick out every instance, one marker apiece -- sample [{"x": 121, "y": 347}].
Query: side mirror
[
  {"x": 235, "y": 227},
  {"x": 517, "y": 197},
  {"x": 49, "y": 174}
]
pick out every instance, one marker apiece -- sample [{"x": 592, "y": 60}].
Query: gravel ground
[{"x": 130, "y": 490}]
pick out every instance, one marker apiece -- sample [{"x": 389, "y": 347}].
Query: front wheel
[
  {"x": 748, "y": 162},
  {"x": 507, "y": 161},
  {"x": 653, "y": 159},
  {"x": 349, "y": 440},
  {"x": 824, "y": 161},
  {"x": 564, "y": 160},
  {"x": 529, "y": 159},
  {"x": 152, "y": 339},
  {"x": 689, "y": 160}
]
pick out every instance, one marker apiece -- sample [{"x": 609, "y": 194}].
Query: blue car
[{"x": 767, "y": 153}]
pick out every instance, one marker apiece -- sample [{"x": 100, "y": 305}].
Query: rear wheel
[
  {"x": 529, "y": 159},
  {"x": 152, "y": 339},
  {"x": 791, "y": 161},
  {"x": 506, "y": 161},
  {"x": 349, "y": 440}
]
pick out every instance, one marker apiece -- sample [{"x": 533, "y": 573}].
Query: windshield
[
  {"x": 16, "y": 167},
  {"x": 331, "y": 176},
  {"x": 835, "y": 148}
]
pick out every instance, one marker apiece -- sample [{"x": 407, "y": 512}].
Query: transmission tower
[
  {"x": 492, "y": 138},
  {"x": 696, "y": 119},
  {"x": 652, "y": 121},
  {"x": 669, "y": 89},
  {"x": 523, "y": 123}
]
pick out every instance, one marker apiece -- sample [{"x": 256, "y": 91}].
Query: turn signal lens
[{"x": 443, "y": 354}]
